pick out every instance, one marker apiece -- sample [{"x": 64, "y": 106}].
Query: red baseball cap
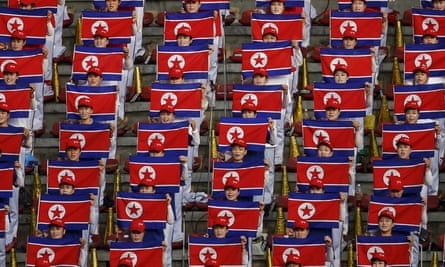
[
  {"x": 4, "y": 106},
  {"x": 249, "y": 106},
  {"x": 316, "y": 182},
  {"x": 42, "y": 262},
  {"x": 27, "y": 2},
  {"x": 222, "y": 221},
  {"x": 422, "y": 68},
  {"x": 211, "y": 263},
  {"x": 260, "y": 71},
  {"x": 301, "y": 224},
  {"x": 270, "y": 30},
  {"x": 239, "y": 142},
  {"x": 430, "y": 32},
  {"x": 101, "y": 33},
  {"x": 18, "y": 34},
  {"x": 412, "y": 105},
  {"x": 232, "y": 182},
  {"x": 293, "y": 259},
  {"x": 156, "y": 145},
  {"x": 57, "y": 222},
  {"x": 325, "y": 143},
  {"x": 137, "y": 225},
  {"x": 147, "y": 182},
  {"x": 73, "y": 143},
  {"x": 85, "y": 102},
  {"x": 404, "y": 140},
  {"x": 282, "y": 1},
  {"x": 350, "y": 34},
  {"x": 175, "y": 73},
  {"x": 186, "y": 31},
  {"x": 395, "y": 184},
  {"x": 67, "y": 180},
  {"x": 387, "y": 213},
  {"x": 168, "y": 108},
  {"x": 126, "y": 261},
  {"x": 11, "y": 67},
  {"x": 379, "y": 256},
  {"x": 95, "y": 70},
  {"x": 332, "y": 103}
]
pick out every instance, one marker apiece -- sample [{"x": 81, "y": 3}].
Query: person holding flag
[
  {"x": 378, "y": 259},
  {"x": 430, "y": 37},
  {"x": 293, "y": 261}
]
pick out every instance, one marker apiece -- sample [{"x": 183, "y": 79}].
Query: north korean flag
[
  {"x": 430, "y": 99},
  {"x": 243, "y": 216},
  {"x": 166, "y": 171},
  {"x": 103, "y": 99},
  {"x": 358, "y": 63},
  {"x": 100, "y": 4},
  {"x": 412, "y": 173},
  {"x": 321, "y": 210},
  {"x": 305, "y": 248},
  {"x": 11, "y": 142},
  {"x": 406, "y": 210},
  {"x": 396, "y": 250},
  {"x": 141, "y": 253},
  {"x": 59, "y": 252},
  {"x": 351, "y": 96},
  {"x": 275, "y": 57},
  {"x": 201, "y": 25},
  {"x": 426, "y": 20},
  {"x": 334, "y": 171},
  {"x": 253, "y": 131},
  {"x": 287, "y": 3},
  {"x": 18, "y": 98},
  {"x": 84, "y": 173},
  {"x": 193, "y": 60},
  {"x": 347, "y": 4},
  {"x": 431, "y": 56},
  {"x": 118, "y": 25},
  {"x": 31, "y": 22},
  {"x": 108, "y": 59},
  {"x": 215, "y": 4},
  {"x": 7, "y": 174},
  {"x": 250, "y": 177},
  {"x": 74, "y": 210},
  {"x": 268, "y": 99},
  {"x": 151, "y": 208},
  {"x": 226, "y": 251},
  {"x": 94, "y": 139},
  {"x": 288, "y": 26},
  {"x": 174, "y": 136},
  {"x": 2, "y": 220},
  {"x": 38, "y": 4},
  {"x": 186, "y": 98},
  {"x": 339, "y": 133},
  {"x": 421, "y": 135},
  {"x": 27, "y": 62}
]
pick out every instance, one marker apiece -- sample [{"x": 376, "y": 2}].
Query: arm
[
  {"x": 170, "y": 214},
  {"x": 358, "y": 136},
  {"x": 272, "y": 132}
]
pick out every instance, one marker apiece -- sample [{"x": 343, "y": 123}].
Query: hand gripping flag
[
  {"x": 243, "y": 216},
  {"x": 334, "y": 171},
  {"x": 339, "y": 133},
  {"x": 253, "y": 131},
  {"x": 268, "y": 99},
  {"x": 250, "y": 177},
  {"x": 287, "y": 26},
  {"x": 59, "y": 252},
  {"x": 412, "y": 173},
  {"x": 347, "y": 4},
  {"x": 74, "y": 210},
  {"x": 27, "y": 62},
  {"x": 226, "y": 251},
  {"x": 275, "y": 57},
  {"x": 395, "y": 248},
  {"x": 18, "y": 98},
  {"x": 165, "y": 171},
  {"x": 31, "y": 22},
  {"x": 430, "y": 99},
  {"x": 425, "y": 20},
  {"x": 430, "y": 56},
  {"x": 193, "y": 60},
  {"x": 118, "y": 25},
  {"x": 85, "y": 175},
  {"x": 141, "y": 254},
  {"x": 109, "y": 60},
  {"x": 321, "y": 210},
  {"x": 406, "y": 210},
  {"x": 100, "y": 4},
  {"x": 351, "y": 96},
  {"x": 305, "y": 248},
  {"x": 362, "y": 23},
  {"x": 94, "y": 139},
  {"x": 201, "y": 24},
  {"x": 103, "y": 99},
  {"x": 358, "y": 63},
  {"x": 151, "y": 208},
  {"x": 186, "y": 99},
  {"x": 6, "y": 181},
  {"x": 421, "y": 136},
  {"x": 38, "y": 4},
  {"x": 174, "y": 136},
  {"x": 287, "y": 3},
  {"x": 10, "y": 142},
  {"x": 214, "y": 4}
]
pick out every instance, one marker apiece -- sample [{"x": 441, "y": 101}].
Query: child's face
[
  {"x": 192, "y": 6},
  {"x": 358, "y": 6},
  {"x": 17, "y": 44},
  {"x": 238, "y": 153},
  {"x": 439, "y": 5},
  {"x": 94, "y": 79},
  {"x": 100, "y": 41},
  {"x": 10, "y": 78},
  {"x": 112, "y": 5},
  {"x": 183, "y": 40},
  {"x": 420, "y": 77},
  {"x": 277, "y": 7},
  {"x": 85, "y": 112},
  {"x": 324, "y": 151},
  {"x": 341, "y": 76},
  {"x": 66, "y": 189},
  {"x": 259, "y": 80},
  {"x": 220, "y": 231},
  {"x": 412, "y": 115},
  {"x": 56, "y": 232},
  {"x": 349, "y": 43},
  {"x": 269, "y": 38}
]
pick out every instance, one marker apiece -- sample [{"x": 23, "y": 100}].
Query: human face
[
  {"x": 358, "y": 6},
  {"x": 248, "y": 114},
  {"x": 396, "y": 193},
  {"x": 176, "y": 80},
  {"x": 94, "y": 79},
  {"x": 341, "y": 76},
  {"x": 276, "y": 7},
  {"x": 220, "y": 231},
  {"x": 378, "y": 263},
  {"x": 269, "y": 38},
  {"x": 100, "y": 41},
  {"x": 231, "y": 193},
  {"x": 301, "y": 233},
  {"x": 10, "y": 78},
  {"x": 316, "y": 190},
  {"x": 137, "y": 236},
  {"x": 183, "y": 40},
  {"x": 156, "y": 154},
  {"x": 56, "y": 232},
  {"x": 332, "y": 114},
  {"x": 324, "y": 151},
  {"x": 146, "y": 189},
  {"x": 420, "y": 77},
  {"x": 412, "y": 115},
  {"x": 17, "y": 44},
  {"x": 238, "y": 153},
  {"x": 428, "y": 39},
  {"x": 293, "y": 265},
  {"x": 112, "y": 5},
  {"x": 85, "y": 113},
  {"x": 349, "y": 43},
  {"x": 27, "y": 7},
  {"x": 66, "y": 189},
  {"x": 404, "y": 151},
  {"x": 259, "y": 80},
  {"x": 439, "y": 5},
  {"x": 385, "y": 225},
  {"x": 73, "y": 154},
  {"x": 192, "y": 6},
  {"x": 167, "y": 117},
  {"x": 4, "y": 117}
]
